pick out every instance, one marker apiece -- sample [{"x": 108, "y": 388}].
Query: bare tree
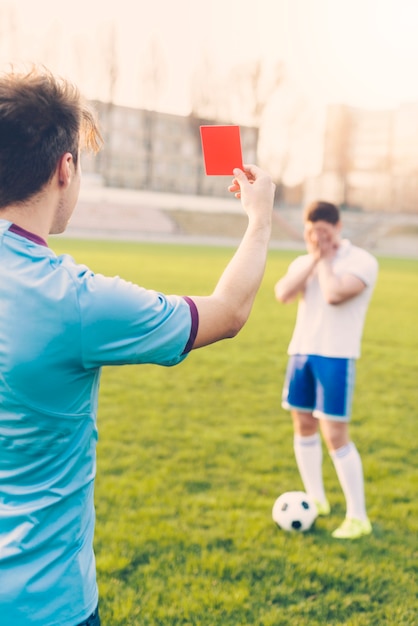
[
  {"x": 252, "y": 86},
  {"x": 286, "y": 136},
  {"x": 207, "y": 91},
  {"x": 239, "y": 97},
  {"x": 207, "y": 104},
  {"x": 151, "y": 80},
  {"x": 338, "y": 137},
  {"x": 111, "y": 72},
  {"x": 81, "y": 59},
  {"x": 152, "y": 75},
  {"x": 9, "y": 43},
  {"x": 3, "y": 30},
  {"x": 110, "y": 62},
  {"x": 51, "y": 43}
]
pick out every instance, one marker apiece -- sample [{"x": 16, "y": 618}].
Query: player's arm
[
  {"x": 225, "y": 311},
  {"x": 337, "y": 289},
  {"x": 294, "y": 282}
]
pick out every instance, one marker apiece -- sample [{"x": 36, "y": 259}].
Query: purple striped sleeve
[{"x": 195, "y": 324}]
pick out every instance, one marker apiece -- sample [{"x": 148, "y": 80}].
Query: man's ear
[{"x": 65, "y": 169}]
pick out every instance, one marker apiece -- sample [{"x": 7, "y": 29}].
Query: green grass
[{"x": 191, "y": 459}]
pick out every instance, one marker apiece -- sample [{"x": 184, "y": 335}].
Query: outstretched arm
[{"x": 225, "y": 311}]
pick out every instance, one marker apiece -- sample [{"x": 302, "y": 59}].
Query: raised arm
[
  {"x": 224, "y": 313},
  {"x": 322, "y": 241},
  {"x": 293, "y": 282},
  {"x": 337, "y": 289}
]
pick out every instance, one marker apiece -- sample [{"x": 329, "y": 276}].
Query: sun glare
[{"x": 361, "y": 52}]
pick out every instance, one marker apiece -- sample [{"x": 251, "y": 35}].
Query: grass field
[{"x": 191, "y": 459}]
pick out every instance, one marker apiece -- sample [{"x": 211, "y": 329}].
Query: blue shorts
[{"x": 320, "y": 385}]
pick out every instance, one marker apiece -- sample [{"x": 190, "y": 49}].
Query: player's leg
[
  {"x": 299, "y": 398},
  {"x": 307, "y": 447},
  {"x": 336, "y": 379},
  {"x": 349, "y": 468}
]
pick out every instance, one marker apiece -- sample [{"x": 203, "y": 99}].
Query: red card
[{"x": 221, "y": 149}]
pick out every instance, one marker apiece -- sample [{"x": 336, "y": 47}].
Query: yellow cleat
[
  {"x": 352, "y": 529},
  {"x": 323, "y": 508}
]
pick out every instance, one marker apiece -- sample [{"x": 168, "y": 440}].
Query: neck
[
  {"x": 34, "y": 216},
  {"x": 24, "y": 222}
]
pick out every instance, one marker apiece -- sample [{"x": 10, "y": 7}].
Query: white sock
[
  {"x": 348, "y": 465},
  {"x": 308, "y": 453}
]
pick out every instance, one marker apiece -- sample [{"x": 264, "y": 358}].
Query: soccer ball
[{"x": 294, "y": 511}]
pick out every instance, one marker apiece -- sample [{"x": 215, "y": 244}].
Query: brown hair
[
  {"x": 41, "y": 118},
  {"x": 321, "y": 211}
]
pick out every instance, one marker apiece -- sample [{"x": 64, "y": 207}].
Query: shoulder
[
  {"x": 66, "y": 263},
  {"x": 364, "y": 256},
  {"x": 359, "y": 262}
]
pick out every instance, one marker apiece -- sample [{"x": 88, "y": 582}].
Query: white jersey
[{"x": 333, "y": 330}]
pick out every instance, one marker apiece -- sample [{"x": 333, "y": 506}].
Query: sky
[{"x": 359, "y": 52}]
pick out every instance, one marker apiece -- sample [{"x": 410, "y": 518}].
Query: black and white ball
[{"x": 294, "y": 511}]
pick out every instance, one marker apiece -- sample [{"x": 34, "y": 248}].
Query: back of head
[
  {"x": 321, "y": 211},
  {"x": 41, "y": 118}
]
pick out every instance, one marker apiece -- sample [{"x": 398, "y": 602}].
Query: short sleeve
[
  {"x": 122, "y": 323},
  {"x": 364, "y": 266}
]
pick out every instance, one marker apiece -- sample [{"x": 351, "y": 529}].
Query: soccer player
[
  {"x": 334, "y": 283},
  {"x": 59, "y": 324}
]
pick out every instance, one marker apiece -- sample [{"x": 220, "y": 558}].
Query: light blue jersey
[{"x": 59, "y": 324}]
